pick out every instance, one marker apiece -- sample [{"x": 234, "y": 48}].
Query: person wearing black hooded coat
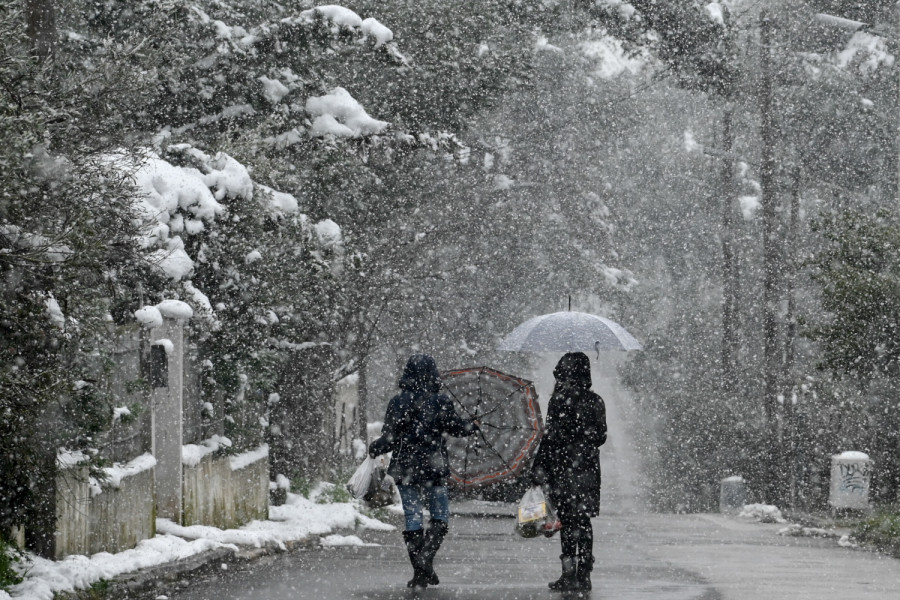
[
  {"x": 415, "y": 426},
  {"x": 568, "y": 462}
]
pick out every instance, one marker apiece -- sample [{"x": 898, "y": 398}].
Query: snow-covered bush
[{"x": 68, "y": 251}]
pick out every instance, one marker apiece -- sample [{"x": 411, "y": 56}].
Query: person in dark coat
[
  {"x": 415, "y": 426},
  {"x": 568, "y": 462}
]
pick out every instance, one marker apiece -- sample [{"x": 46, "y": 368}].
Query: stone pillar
[
  {"x": 732, "y": 495},
  {"x": 166, "y": 379},
  {"x": 851, "y": 474}
]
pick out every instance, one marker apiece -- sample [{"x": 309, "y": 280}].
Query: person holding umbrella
[
  {"x": 568, "y": 462},
  {"x": 415, "y": 424}
]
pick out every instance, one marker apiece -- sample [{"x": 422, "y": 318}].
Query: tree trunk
[
  {"x": 770, "y": 264},
  {"x": 40, "y": 26},
  {"x": 729, "y": 260},
  {"x": 790, "y": 426},
  {"x": 362, "y": 407}
]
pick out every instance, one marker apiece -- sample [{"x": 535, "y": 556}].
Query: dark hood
[
  {"x": 421, "y": 375},
  {"x": 574, "y": 369}
]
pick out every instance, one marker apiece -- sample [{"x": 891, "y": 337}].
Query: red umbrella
[{"x": 511, "y": 428}]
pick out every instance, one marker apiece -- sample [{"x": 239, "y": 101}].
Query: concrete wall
[
  {"x": 215, "y": 493},
  {"x": 113, "y": 520}
]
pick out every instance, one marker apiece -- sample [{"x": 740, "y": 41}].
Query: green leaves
[{"x": 859, "y": 270}]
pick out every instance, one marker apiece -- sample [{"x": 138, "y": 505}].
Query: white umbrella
[{"x": 569, "y": 331}]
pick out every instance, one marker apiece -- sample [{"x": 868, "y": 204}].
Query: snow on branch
[{"x": 340, "y": 115}]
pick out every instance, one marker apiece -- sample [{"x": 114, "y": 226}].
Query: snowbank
[
  {"x": 765, "y": 513},
  {"x": 296, "y": 520},
  {"x": 45, "y": 577}
]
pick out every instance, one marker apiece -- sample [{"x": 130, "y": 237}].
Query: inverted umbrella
[
  {"x": 507, "y": 408},
  {"x": 569, "y": 332}
]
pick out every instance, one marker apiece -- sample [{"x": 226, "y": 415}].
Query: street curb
[{"x": 145, "y": 582}]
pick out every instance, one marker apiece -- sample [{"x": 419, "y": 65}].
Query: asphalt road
[
  {"x": 481, "y": 558},
  {"x": 639, "y": 556}
]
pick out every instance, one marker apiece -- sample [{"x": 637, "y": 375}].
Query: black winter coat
[
  {"x": 568, "y": 459},
  {"x": 415, "y": 426}
]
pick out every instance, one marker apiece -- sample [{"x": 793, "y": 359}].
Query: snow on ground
[
  {"x": 44, "y": 577},
  {"x": 296, "y": 520},
  {"x": 765, "y": 513},
  {"x": 344, "y": 540}
]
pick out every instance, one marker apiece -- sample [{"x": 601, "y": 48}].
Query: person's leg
[
  {"x": 585, "y": 560},
  {"x": 413, "y": 536},
  {"x": 568, "y": 537},
  {"x": 439, "y": 507}
]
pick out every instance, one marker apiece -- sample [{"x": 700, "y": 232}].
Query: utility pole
[{"x": 770, "y": 261}]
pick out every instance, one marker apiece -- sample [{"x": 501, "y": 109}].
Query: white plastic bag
[
  {"x": 371, "y": 483},
  {"x": 533, "y": 513},
  {"x": 552, "y": 524},
  {"x": 361, "y": 481}
]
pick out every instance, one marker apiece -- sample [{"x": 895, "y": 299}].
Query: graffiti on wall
[{"x": 854, "y": 478}]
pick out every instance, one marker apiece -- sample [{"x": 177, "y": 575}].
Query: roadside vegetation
[{"x": 881, "y": 531}]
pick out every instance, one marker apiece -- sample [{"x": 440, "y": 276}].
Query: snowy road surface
[{"x": 639, "y": 556}]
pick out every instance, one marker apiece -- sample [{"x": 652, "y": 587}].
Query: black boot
[
  {"x": 568, "y": 580},
  {"x": 414, "y": 541},
  {"x": 585, "y": 566},
  {"x": 433, "y": 538}
]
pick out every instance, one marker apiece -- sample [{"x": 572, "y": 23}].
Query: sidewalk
[{"x": 176, "y": 552}]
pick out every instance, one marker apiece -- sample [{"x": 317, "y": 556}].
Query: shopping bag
[
  {"x": 381, "y": 488},
  {"x": 361, "y": 480},
  {"x": 552, "y": 524},
  {"x": 371, "y": 483},
  {"x": 532, "y": 513}
]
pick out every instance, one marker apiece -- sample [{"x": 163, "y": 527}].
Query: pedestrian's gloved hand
[{"x": 377, "y": 448}]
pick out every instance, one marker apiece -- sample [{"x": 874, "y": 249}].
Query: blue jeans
[{"x": 413, "y": 495}]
